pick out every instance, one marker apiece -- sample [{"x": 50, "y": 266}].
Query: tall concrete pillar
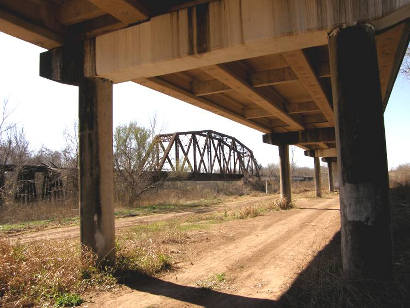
[
  {"x": 335, "y": 174},
  {"x": 285, "y": 186},
  {"x": 330, "y": 176},
  {"x": 96, "y": 166},
  {"x": 361, "y": 146},
  {"x": 74, "y": 64},
  {"x": 332, "y": 172},
  {"x": 318, "y": 184}
]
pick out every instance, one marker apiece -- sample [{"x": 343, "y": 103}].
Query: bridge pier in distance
[
  {"x": 362, "y": 159},
  {"x": 318, "y": 183},
  {"x": 332, "y": 171},
  {"x": 335, "y": 173},
  {"x": 74, "y": 64},
  {"x": 330, "y": 176},
  {"x": 285, "y": 184}
]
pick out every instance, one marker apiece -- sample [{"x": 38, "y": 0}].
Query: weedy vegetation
[
  {"x": 213, "y": 282},
  {"x": 284, "y": 204}
]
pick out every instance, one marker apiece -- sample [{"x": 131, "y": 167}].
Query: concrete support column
[
  {"x": 74, "y": 63},
  {"x": 362, "y": 160},
  {"x": 96, "y": 166},
  {"x": 330, "y": 176},
  {"x": 285, "y": 186},
  {"x": 335, "y": 173},
  {"x": 318, "y": 184},
  {"x": 332, "y": 172}
]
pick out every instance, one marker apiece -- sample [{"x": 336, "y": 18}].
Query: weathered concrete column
[
  {"x": 335, "y": 173},
  {"x": 96, "y": 166},
  {"x": 74, "y": 64},
  {"x": 318, "y": 184},
  {"x": 361, "y": 145},
  {"x": 330, "y": 176},
  {"x": 285, "y": 186},
  {"x": 332, "y": 171}
]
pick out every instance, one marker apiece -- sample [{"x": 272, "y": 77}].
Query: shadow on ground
[
  {"x": 313, "y": 208},
  {"x": 320, "y": 284},
  {"x": 198, "y": 296}
]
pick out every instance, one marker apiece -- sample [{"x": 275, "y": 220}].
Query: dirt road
[
  {"x": 254, "y": 261},
  {"x": 124, "y": 223}
]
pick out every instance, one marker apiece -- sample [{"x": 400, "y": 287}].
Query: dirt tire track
[
  {"x": 73, "y": 232},
  {"x": 260, "y": 258}
]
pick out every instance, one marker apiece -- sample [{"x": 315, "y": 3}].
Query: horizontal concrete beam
[
  {"x": 179, "y": 93},
  {"x": 310, "y": 136},
  {"x": 28, "y": 30},
  {"x": 273, "y": 104},
  {"x": 69, "y": 63},
  {"x": 202, "y": 88},
  {"x": 329, "y": 159},
  {"x": 128, "y": 12},
  {"x": 272, "y": 77},
  {"x": 292, "y": 108},
  {"x": 331, "y": 152}
]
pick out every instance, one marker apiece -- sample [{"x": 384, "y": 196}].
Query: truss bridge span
[{"x": 200, "y": 155}]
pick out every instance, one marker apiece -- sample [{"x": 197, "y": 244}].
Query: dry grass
[
  {"x": 284, "y": 204},
  {"x": 49, "y": 273},
  {"x": 43, "y": 272},
  {"x": 38, "y": 216},
  {"x": 177, "y": 192},
  {"x": 213, "y": 282},
  {"x": 301, "y": 187},
  {"x": 171, "y": 197},
  {"x": 13, "y": 213},
  {"x": 249, "y": 211},
  {"x": 400, "y": 176}
]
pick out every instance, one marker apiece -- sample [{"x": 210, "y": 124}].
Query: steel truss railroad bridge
[{"x": 203, "y": 155}]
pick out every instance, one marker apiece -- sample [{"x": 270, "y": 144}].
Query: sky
[{"x": 45, "y": 109}]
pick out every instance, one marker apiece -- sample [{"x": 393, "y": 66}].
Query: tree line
[{"x": 130, "y": 144}]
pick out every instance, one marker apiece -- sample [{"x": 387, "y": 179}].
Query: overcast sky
[{"x": 45, "y": 109}]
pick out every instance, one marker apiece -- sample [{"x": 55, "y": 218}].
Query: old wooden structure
[
  {"x": 26, "y": 189},
  {"x": 314, "y": 73}
]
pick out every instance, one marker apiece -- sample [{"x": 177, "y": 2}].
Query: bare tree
[
  {"x": 20, "y": 152},
  {"x": 70, "y": 152},
  {"x": 292, "y": 162},
  {"x": 271, "y": 170},
  {"x": 14, "y": 153},
  {"x": 14, "y": 147},
  {"x": 5, "y": 137},
  {"x": 131, "y": 145},
  {"x": 405, "y": 67},
  {"x": 47, "y": 156}
]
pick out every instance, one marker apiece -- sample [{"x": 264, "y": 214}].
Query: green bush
[{"x": 68, "y": 300}]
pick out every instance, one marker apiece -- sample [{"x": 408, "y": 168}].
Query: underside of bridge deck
[{"x": 267, "y": 64}]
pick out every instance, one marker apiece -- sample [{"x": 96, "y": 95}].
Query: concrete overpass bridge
[{"x": 317, "y": 74}]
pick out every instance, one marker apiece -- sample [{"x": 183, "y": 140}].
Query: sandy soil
[
  {"x": 124, "y": 223},
  {"x": 260, "y": 257}
]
